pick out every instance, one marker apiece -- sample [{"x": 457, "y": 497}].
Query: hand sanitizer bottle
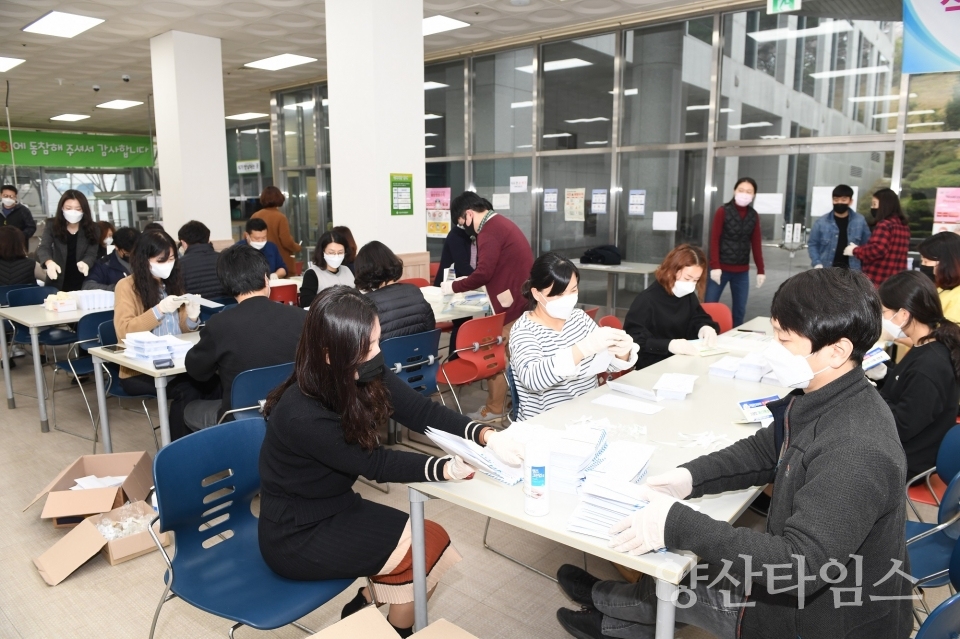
[{"x": 536, "y": 479}]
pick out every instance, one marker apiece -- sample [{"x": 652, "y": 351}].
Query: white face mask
[
  {"x": 742, "y": 199},
  {"x": 258, "y": 245},
  {"x": 792, "y": 370},
  {"x": 333, "y": 261},
  {"x": 108, "y": 241},
  {"x": 72, "y": 216},
  {"x": 161, "y": 270},
  {"x": 893, "y": 329},
  {"x": 561, "y": 307},
  {"x": 8, "y": 202},
  {"x": 684, "y": 287}
]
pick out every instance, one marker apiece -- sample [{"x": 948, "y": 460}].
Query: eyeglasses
[{"x": 341, "y": 254}]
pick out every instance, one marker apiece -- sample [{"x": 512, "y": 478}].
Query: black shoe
[
  {"x": 356, "y": 604},
  {"x": 577, "y": 584},
  {"x": 403, "y": 632},
  {"x": 582, "y": 624}
]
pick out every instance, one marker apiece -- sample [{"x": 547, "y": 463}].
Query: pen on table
[{"x": 747, "y": 330}]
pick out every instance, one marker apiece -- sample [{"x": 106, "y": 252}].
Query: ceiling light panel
[
  {"x": 248, "y": 116},
  {"x": 69, "y": 117},
  {"x": 8, "y": 63},
  {"x": 62, "y": 25},
  {"x": 521, "y": 105},
  {"x": 119, "y": 104},
  {"x": 825, "y": 75},
  {"x": 586, "y": 120},
  {"x": 557, "y": 65},
  {"x": 431, "y": 116},
  {"x": 282, "y": 61},
  {"x": 427, "y": 86},
  {"x": 439, "y": 24}
]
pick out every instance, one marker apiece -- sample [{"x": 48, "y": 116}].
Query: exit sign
[
  {"x": 782, "y": 6},
  {"x": 248, "y": 166}
]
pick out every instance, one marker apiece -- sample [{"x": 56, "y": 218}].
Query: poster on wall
[
  {"x": 930, "y": 42},
  {"x": 822, "y": 201},
  {"x": 946, "y": 211},
  {"x": 438, "y": 212},
  {"x": 550, "y": 201},
  {"x": 665, "y": 220},
  {"x": 637, "y": 202},
  {"x": 401, "y": 194},
  {"x": 573, "y": 204},
  {"x": 75, "y": 150},
  {"x": 598, "y": 201},
  {"x": 518, "y": 184},
  {"x": 501, "y": 202}
]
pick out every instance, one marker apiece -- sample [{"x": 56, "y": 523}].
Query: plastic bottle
[{"x": 536, "y": 479}]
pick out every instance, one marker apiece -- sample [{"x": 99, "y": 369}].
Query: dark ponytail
[
  {"x": 551, "y": 272},
  {"x": 914, "y": 292}
]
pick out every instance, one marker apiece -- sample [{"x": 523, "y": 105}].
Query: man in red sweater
[{"x": 504, "y": 260}]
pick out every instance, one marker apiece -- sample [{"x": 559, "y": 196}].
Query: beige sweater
[{"x": 129, "y": 316}]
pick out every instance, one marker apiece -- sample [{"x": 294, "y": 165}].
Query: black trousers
[{"x": 182, "y": 389}]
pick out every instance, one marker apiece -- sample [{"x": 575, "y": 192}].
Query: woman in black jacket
[
  {"x": 15, "y": 266},
  {"x": 69, "y": 244},
  {"x": 322, "y": 434},
  {"x": 401, "y": 307},
  {"x": 923, "y": 390}
]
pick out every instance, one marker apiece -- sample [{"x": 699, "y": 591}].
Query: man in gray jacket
[{"x": 832, "y": 562}]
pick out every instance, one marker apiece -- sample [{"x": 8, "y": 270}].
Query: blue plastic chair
[
  {"x": 514, "y": 395},
  {"x": 87, "y": 336},
  {"x": 206, "y": 313},
  {"x": 251, "y": 387},
  {"x": 205, "y": 483},
  {"x": 930, "y": 546},
  {"x": 108, "y": 337},
  {"x": 943, "y": 622},
  {"x": 415, "y": 359},
  {"x": 32, "y": 296},
  {"x": 12, "y": 287},
  {"x": 948, "y": 465}
]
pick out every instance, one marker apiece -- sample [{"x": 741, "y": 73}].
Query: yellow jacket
[{"x": 950, "y": 299}]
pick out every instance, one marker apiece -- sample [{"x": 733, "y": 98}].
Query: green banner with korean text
[{"x": 76, "y": 150}]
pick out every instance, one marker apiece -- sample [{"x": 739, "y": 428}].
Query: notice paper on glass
[
  {"x": 518, "y": 184},
  {"x": 598, "y": 201},
  {"x": 946, "y": 211},
  {"x": 550, "y": 200},
  {"x": 501, "y": 201},
  {"x": 573, "y": 204},
  {"x": 637, "y": 202},
  {"x": 768, "y": 203},
  {"x": 664, "y": 220}
]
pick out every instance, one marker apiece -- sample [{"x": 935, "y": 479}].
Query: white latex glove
[
  {"x": 193, "y": 310},
  {"x": 622, "y": 346},
  {"x": 83, "y": 268},
  {"x": 274, "y": 276},
  {"x": 849, "y": 250},
  {"x": 708, "y": 335},
  {"x": 715, "y": 276},
  {"x": 169, "y": 304},
  {"x": 642, "y": 532},
  {"x": 53, "y": 270},
  {"x": 677, "y": 483},
  {"x": 681, "y": 347},
  {"x": 877, "y": 372},
  {"x": 818, "y": 266},
  {"x": 506, "y": 448},
  {"x": 761, "y": 278},
  {"x": 447, "y": 287},
  {"x": 599, "y": 340},
  {"x": 456, "y": 468}
]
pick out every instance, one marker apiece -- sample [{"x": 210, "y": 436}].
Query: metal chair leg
[
  {"x": 302, "y": 627},
  {"x": 233, "y": 628},
  {"x": 164, "y": 598},
  {"x": 914, "y": 509},
  {"x": 486, "y": 529}
]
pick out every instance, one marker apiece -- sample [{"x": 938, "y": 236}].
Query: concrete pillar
[
  {"x": 375, "y": 80},
  {"x": 191, "y": 147}
]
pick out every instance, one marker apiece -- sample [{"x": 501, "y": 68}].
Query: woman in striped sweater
[{"x": 555, "y": 344}]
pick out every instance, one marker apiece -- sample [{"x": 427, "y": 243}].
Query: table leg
[
  {"x": 646, "y": 278},
  {"x": 417, "y": 543},
  {"x": 616, "y": 285},
  {"x": 666, "y": 608},
  {"x": 161, "y": 383},
  {"x": 6, "y": 364},
  {"x": 38, "y": 375},
  {"x": 102, "y": 404},
  {"x": 611, "y": 281}
]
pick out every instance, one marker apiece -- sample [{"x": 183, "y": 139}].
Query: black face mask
[
  {"x": 370, "y": 369},
  {"x": 471, "y": 232},
  {"x": 928, "y": 271},
  {"x": 873, "y": 213},
  {"x": 841, "y": 208}
]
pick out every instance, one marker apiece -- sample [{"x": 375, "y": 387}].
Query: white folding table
[
  {"x": 712, "y": 407},
  {"x": 613, "y": 272}
]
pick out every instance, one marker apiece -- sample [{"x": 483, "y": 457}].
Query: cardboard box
[
  {"x": 84, "y": 541},
  {"x": 69, "y": 507},
  {"x": 370, "y": 623},
  {"x": 60, "y": 305},
  {"x": 442, "y": 629}
]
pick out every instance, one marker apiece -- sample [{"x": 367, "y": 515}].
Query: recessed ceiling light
[
  {"x": 893, "y": 114},
  {"x": 824, "y": 75},
  {"x": 62, "y": 25},
  {"x": 282, "y": 61},
  {"x": 557, "y": 65},
  {"x": 584, "y": 120},
  {"x": 524, "y": 146},
  {"x": 751, "y": 125},
  {"x": 625, "y": 92},
  {"x": 324, "y": 102},
  {"x": 119, "y": 104},
  {"x": 8, "y": 63},
  {"x": 596, "y": 142},
  {"x": 69, "y": 117},
  {"x": 689, "y": 133},
  {"x": 429, "y": 135},
  {"x": 439, "y": 24},
  {"x": 248, "y": 116},
  {"x": 434, "y": 85},
  {"x": 556, "y": 135},
  {"x": 254, "y": 131},
  {"x": 773, "y": 137},
  {"x": 827, "y": 28},
  {"x": 916, "y": 124},
  {"x": 521, "y": 105},
  {"x": 698, "y": 107},
  {"x": 876, "y": 98},
  {"x": 308, "y": 104},
  {"x": 429, "y": 146},
  {"x": 431, "y": 116}
]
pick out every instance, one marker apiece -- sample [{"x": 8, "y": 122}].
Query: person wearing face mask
[
  {"x": 837, "y": 467},
  {"x": 940, "y": 262},
  {"x": 198, "y": 261},
  {"x": 12, "y": 213},
  {"x": 503, "y": 260},
  {"x": 152, "y": 299},
  {"x": 401, "y": 308},
  {"x": 885, "y": 253},
  {"x": 106, "y": 239},
  {"x": 923, "y": 389},
  {"x": 68, "y": 248},
  {"x": 665, "y": 318},
  {"x": 327, "y": 268},
  {"x": 256, "y": 236},
  {"x": 734, "y": 234},
  {"x": 553, "y": 345},
  {"x": 107, "y": 272},
  {"x": 832, "y": 233},
  {"x": 323, "y": 433}
]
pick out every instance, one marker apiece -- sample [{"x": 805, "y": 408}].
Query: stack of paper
[
  {"x": 146, "y": 346},
  {"x": 744, "y": 340},
  {"x": 624, "y": 461},
  {"x": 476, "y": 456},
  {"x": 708, "y": 351},
  {"x": 603, "y": 503},
  {"x": 578, "y": 449},
  {"x": 92, "y": 481},
  {"x": 726, "y": 367},
  {"x": 753, "y": 367},
  {"x": 674, "y": 385},
  {"x": 874, "y": 357},
  {"x": 636, "y": 391}
]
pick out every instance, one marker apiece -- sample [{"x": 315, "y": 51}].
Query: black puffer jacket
[
  {"x": 402, "y": 310},
  {"x": 199, "y": 268},
  {"x": 20, "y": 217},
  {"x": 18, "y": 271}
]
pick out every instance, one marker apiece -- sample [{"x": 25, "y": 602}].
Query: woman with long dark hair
[
  {"x": 554, "y": 345},
  {"x": 940, "y": 261},
  {"x": 15, "y": 266},
  {"x": 327, "y": 269},
  {"x": 734, "y": 234},
  {"x": 65, "y": 252},
  {"x": 322, "y": 434},
  {"x": 151, "y": 299},
  {"x": 886, "y": 252},
  {"x": 923, "y": 390}
]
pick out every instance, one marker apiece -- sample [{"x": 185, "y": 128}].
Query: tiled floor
[{"x": 485, "y": 594}]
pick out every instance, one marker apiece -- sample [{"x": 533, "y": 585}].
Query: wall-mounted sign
[
  {"x": 598, "y": 201},
  {"x": 401, "y": 194},
  {"x": 248, "y": 166},
  {"x": 438, "y": 212},
  {"x": 930, "y": 42},
  {"x": 549, "y": 201},
  {"x": 637, "y": 202},
  {"x": 76, "y": 150},
  {"x": 782, "y": 6}
]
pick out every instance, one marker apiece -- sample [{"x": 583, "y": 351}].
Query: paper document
[
  {"x": 599, "y": 364},
  {"x": 755, "y": 410},
  {"x": 625, "y": 403},
  {"x": 874, "y": 357},
  {"x": 476, "y": 456},
  {"x": 190, "y": 297},
  {"x": 636, "y": 391}
]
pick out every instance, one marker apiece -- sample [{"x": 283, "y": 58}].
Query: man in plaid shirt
[{"x": 885, "y": 254}]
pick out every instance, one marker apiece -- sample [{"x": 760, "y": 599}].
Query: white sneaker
[
  {"x": 17, "y": 352},
  {"x": 484, "y": 415}
]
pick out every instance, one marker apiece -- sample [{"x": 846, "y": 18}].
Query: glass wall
[{"x": 247, "y": 144}]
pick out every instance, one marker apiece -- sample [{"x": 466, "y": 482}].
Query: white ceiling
[{"x": 59, "y": 73}]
